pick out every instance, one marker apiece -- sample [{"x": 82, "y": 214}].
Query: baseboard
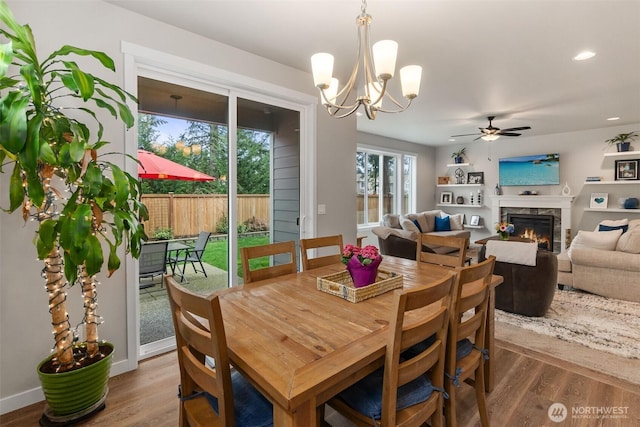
[{"x": 35, "y": 395}]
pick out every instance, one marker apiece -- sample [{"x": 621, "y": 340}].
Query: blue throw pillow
[
  {"x": 443, "y": 224},
  {"x": 624, "y": 228},
  {"x": 415, "y": 221}
]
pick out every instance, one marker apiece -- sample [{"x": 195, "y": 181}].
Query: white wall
[
  {"x": 25, "y": 336},
  {"x": 581, "y": 155}
]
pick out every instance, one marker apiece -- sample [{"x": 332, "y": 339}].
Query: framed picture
[
  {"x": 475, "y": 220},
  {"x": 627, "y": 170},
  {"x": 443, "y": 180},
  {"x": 446, "y": 198},
  {"x": 475, "y": 178},
  {"x": 599, "y": 200}
]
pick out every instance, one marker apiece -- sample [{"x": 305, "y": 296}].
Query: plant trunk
[
  {"x": 91, "y": 319},
  {"x": 53, "y": 273}
]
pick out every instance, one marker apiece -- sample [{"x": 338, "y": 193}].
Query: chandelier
[{"x": 379, "y": 63}]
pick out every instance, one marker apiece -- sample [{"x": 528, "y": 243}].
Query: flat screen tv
[{"x": 539, "y": 169}]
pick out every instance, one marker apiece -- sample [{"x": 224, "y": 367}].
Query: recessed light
[
  {"x": 613, "y": 118},
  {"x": 452, "y": 140},
  {"x": 587, "y": 54}
]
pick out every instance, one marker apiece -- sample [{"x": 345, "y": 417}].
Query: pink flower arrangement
[{"x": 365, "y": 255}]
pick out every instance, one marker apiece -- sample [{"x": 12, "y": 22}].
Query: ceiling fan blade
[
  {"x": 514, "y": 129},
  {"x": 509, "y": 134},
  {"x": 466, "y": 134},
  {"x": 478, "y": 138}
]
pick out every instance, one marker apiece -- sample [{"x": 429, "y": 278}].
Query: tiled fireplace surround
[{"x": 558, "y": 206}]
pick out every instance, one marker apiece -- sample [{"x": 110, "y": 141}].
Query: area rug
[{"x": 600, "y": 323}]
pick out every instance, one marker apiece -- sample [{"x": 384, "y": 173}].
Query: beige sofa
[
  {"x": 604, "y": 264},
  {"x": 398, "y": 235}
]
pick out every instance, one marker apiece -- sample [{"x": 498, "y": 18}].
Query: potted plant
[
  {"x": 81, "y": 201},
  {"x": 622, "y": 140},
  {"x": 457, "y": 156}
]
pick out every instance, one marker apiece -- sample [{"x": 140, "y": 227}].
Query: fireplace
[{"x": 538, "y": 228}]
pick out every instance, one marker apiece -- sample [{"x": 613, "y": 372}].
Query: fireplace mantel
[{"x": 555, "y": 202}]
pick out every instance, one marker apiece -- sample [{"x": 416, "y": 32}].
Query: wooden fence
[{"x": 188, "y": 214}]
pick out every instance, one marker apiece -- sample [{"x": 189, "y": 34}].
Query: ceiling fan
[{"x": 491, "y": 133}]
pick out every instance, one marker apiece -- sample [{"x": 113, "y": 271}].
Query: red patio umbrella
[{"x": 152, "y": 166}]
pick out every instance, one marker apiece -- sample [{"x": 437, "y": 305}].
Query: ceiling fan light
[
  {"x": 322, "y": 67},
  {"x": 410, "y": 77},
  {"x": 490, "y": 138},
  {"x": 384, "y": 58}
]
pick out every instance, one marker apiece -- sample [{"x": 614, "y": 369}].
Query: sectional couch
[
  {"x": 605, "y": 261},
  {"x": 398, "y": 234}
]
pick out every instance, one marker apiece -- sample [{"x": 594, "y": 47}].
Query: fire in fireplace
[{"x": 538, "y": 228}]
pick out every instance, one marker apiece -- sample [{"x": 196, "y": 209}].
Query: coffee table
[{"x": 510, "y": 239}]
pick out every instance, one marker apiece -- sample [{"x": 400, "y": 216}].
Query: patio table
[
  {"x": 300, "y": 346},
  {"x": 173, "y": 253}
]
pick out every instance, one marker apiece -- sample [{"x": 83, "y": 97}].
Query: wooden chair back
[
  {"x": 322, "y": 260},
  {"x": 455, "y": 258},
  {"x": 199, "y": 329},
  {"x": 413, "y": 323},
  {"x": 473, "y": 297},
  {"x": 276, "y": 268}
]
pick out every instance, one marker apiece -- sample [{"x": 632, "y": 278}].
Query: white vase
[{"x": 566, "y": 190}]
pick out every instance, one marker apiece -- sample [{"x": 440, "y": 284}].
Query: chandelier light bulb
[
  {"x": 384, "y": 58},
  {"x": 322, "y": 67},
  {"x": 410, "y": 77}
]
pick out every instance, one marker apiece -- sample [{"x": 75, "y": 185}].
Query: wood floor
[{"x": 527, "y": 383}]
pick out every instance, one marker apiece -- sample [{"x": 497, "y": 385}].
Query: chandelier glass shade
[{"x": 378, "y": 66}]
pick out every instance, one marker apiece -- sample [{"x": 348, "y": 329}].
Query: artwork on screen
[{"x": 539, "y": 169}]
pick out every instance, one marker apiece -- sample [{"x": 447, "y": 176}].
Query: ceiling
[{"x": 510, "y": 59}]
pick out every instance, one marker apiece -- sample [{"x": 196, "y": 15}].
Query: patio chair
[
  {"x": 192, "y": 255},
  {"x": 152, "y": 262},
  {"x": 408, "y": 390},
  {"x": 210, "y": 392},
  {"x": 276, "y": 268},
  {"x": 320, "y": 242}
]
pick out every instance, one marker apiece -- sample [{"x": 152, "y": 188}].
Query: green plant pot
[{"x": 74, "y": 391}]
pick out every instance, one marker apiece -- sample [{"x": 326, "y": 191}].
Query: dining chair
[
  {"x": 454, "y": 254},
  {"x": 407, "y": 390},
  {"x": 210, "y": 391},
  {"x": 317, "y": 243},
  {"x": 278, "y": 266},
  {"x": 193, "y": 255},
  {"x": 151, "y": 262},
  {"x": 466, "y": 342}
]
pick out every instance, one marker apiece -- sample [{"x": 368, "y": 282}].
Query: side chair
[
  {"x": 451, "y": 259},
  {"x": 407, "y": 390},
  {"x": 277, "y": 267},
  {"x": 466, "y": 343},
  {"x": 193, "y": 255},
  {"x": 320, "y": 242},
  {"x": 210, "y": 392}
]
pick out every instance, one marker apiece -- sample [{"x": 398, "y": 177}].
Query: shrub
[{"x": 163, "y": 233}]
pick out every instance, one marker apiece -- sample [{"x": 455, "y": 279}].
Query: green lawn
[{"x": 217, "y": 251}]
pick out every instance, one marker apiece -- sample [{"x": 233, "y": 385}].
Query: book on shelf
[{"x": 593, "y": 178}]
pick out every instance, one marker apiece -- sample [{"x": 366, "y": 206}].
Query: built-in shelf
[
  {"x": 612, "y": 182},
  {"x": 450, "y": 165},
  {"x": 622, "y": 154},
  {"x": 462, "y": 205},
  {"x": 460, "y": 185},
  {"x": 473, "y": 226},
  {"x": 621, "y": 210}
]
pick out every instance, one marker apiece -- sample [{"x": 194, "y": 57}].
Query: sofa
[
  {"x": 398, "y": 234},
  {"x": 605, "y": 261}
]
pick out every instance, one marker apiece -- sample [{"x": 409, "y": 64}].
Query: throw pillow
[
  {"x": 624, "y": 228},
  {"x": 604, "y": 240},
  {"x": 456, "y": 221},
  {"x": 408, "y": 225},
  {"x": 630, "y": 242},
  {"x": 443, "y": 224},
  {"x": 430, "y": 221},
  {"x": 391, "y": 220},
  {"x": 612, "y": 223},
  {"x": 415, "y": 221}
]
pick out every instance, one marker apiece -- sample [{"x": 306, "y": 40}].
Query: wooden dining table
[{"x": 300, "y": 346}]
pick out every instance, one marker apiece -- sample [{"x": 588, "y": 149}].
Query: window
[{"x": 385, "y": 183}]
